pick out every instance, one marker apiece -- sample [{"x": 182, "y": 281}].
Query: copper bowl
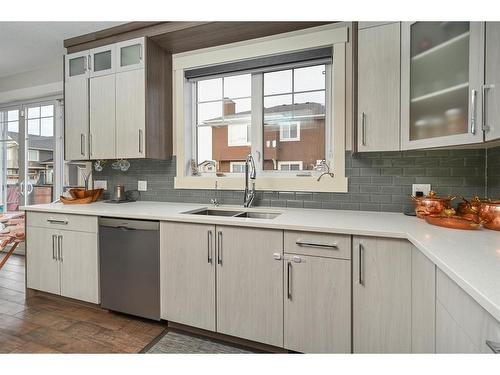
[
  {"x": 489, "y": 214},
  {"x": 470, "y": 209},
  {"x": 431, "y": 204}
]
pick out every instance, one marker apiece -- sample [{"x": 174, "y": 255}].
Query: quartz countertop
[{"x": 470, "y": 258}]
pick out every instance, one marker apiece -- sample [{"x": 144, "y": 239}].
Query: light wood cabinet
[
  {"x": 250, "y": 284},
  {"x": 129, "y": 88},
  {"x": 381, "y": 295},
  {"x": 63, "y": 262},
  {"x": 317, "y": 310},
  {"x": 379, "y": 88},
  {"x": 491, "y": 89},
  {"x": 102, "y": 141},
  {"x": 187, "y": 259}
]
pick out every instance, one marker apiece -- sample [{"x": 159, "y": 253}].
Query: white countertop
[{"x": 470, "y": 258}]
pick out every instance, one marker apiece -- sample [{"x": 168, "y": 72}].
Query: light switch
[
  {"x": 101, "y": 184},
  {"x": 142, "y": 185},
  {"x": 424, "y": 188}
]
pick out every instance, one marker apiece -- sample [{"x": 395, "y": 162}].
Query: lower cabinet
[
  {"x": 317, "y": 304},
  {"x": 381, "y": 295},
  {"x": 63, "y": 262}
]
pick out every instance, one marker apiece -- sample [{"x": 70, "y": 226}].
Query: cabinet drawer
[
  {"x": 475, "y": 321},
  {"x": 318, "y": 244},
  {"x": 79, "y": 223}
]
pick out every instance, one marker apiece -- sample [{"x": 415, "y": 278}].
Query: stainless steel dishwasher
[{"x": 130, "y": 266}]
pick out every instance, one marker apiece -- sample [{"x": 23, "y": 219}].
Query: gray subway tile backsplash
[{"x": 378, "y": 181}]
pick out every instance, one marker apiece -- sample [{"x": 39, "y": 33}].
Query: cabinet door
[
  {"x": 130, "y": 114},
  {"x": 42, "y": 265},
  {"x": 102, "y": 117},
  {"x": 76, "y": 106},
  {"x": 381, "y": 295},
  {"x": 491, "y": 90},
  {"x": 317, "y": 304},
  {"x": 102, "y": 61},
  {"x": 250, "y": 284},
  {"x": 442, "y": 70},
  {"x": 187, "y": 258},
  {"x": 450, "y": 337},
  {"x": 379, "y": 72},
  {"x": 130, "y": 54},
  {"x": 79, "y": 265}
]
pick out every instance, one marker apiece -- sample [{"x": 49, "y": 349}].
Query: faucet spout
[{"x": 250, "y": 176}]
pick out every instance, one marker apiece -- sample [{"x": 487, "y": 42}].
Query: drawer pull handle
[
  {"x": 54, "y": 221},
  {"x": 320, "y": 245},
  {"x": 288, "y": 281},
  {"x": 494, "y": 346},
  {"x": 54, "y": 245}
]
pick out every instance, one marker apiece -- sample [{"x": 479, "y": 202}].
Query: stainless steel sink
[
  {"x": 235, "y": 213},
  {"x": 259, "y": 215}
]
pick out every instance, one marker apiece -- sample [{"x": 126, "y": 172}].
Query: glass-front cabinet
[
  {"x": 102, "y": 60},
  {"x": 130, "y": 54},
  {"x": 441, "y": 74}
]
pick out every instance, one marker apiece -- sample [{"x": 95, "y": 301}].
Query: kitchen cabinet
[
  {"x": 381, "y": 295},
  {"x": 379, "y": 87},
  {"x": 442, "y": 71},
  {"x": 102, "y": 117},
  {"x": 317, "y": 310},
  {"x": 491, "y": 89},
  {"x": 63, "y": 262},
  {"x": 423, "y": 303},
  {"x": 250, "y": 284},
  {"x": 187, "y": 259},
  {"x": 118, "y": 102},
  {"x": 462, "y": 325}
]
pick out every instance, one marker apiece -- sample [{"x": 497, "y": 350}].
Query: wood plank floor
[{"x": 45, "y": 324}]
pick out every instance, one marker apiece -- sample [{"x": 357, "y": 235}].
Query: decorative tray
[{"x": 454, "y": 222}]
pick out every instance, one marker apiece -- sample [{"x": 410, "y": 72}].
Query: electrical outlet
[
  {"x": 424, "y": 188},
  {"x": 142, "y": 185},
  {"x": 101, "y": 184}
]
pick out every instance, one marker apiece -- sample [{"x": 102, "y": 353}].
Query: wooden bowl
[
  {"x": 85, "y": 200},
  {"x": 94, "y": 194}
]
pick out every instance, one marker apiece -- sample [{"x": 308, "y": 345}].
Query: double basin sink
[{"x": 235, "y": 213}]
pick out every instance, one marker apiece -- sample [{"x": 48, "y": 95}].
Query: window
[
  {"x": 281, "y": 99},
  {"x": 33, "y": 155},
  {"x": 237, "y": 167},
  {"x": 290, "y": 165},
  {"x": 41, "y": 121},
  {"x": 13, "y": 121}
]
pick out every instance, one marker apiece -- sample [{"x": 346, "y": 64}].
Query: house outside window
[
  {"x": 237, "y": 167},
  {"x": 264, "y": 100}
]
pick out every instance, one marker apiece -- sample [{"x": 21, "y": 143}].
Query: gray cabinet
[
  {"x": 381, "y": 295},
  {"x": 491, "y": 89},
  {"x": 379, "y": 87},
  {"x": 442, "y": 72},
  {"x": 250, "y": 284},
  {"x": 317, "y": 311},
  {"x": 187, "y": 259}
]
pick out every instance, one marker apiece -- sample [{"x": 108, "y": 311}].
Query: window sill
[{"x": 308, "y": 184}]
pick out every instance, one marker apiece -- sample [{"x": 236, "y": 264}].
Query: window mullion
[{"x": 257, "y": 135}]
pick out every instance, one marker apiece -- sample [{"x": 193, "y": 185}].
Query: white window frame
[
  {"x": 289, "y": 125},
  {"x": 232, "y": 164},
  {"x": 334, "y": 35},
  {"x": 293, "y": 162}
]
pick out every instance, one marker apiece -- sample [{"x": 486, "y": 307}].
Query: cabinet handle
[
  {"x": 494, "y": 346},
  {"x": 60, "y": 247},
  {"x": 54, "y": 244},
  {"x": 473, "y": 114},
  {"x": 140, "y": 141},
  {"x": 89, "y": 65},
  {"x": 82, "y": 144},
  {"x": 55, "y": 221},
  {"x": 363, "y": 129},
  {"x": 320, "y": 245},
  {"x": 209, "y": 247},
  {"x": 484, "y": 126},
  {"x": 140, "y": 52},
  {"x": 288, "y": 281},
  {"x": 219, "y": 248},
  {"x": 90, "y": 144},
  {"x": 361, "y": 279}
]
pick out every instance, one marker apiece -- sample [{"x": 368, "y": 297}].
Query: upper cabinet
[
  {"x": 441, "y": 81},
  {"x": 491, "y": 89},
  {"x": 118, "y": 102},
  {"x": 379, "y": 72}
]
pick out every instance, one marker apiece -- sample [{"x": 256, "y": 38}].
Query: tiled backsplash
[
  {"x": 377, "y": 181},
  {"x": 493, "y": 178}
]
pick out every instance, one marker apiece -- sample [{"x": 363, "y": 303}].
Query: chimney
[{"x": 229, "y": 107}]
